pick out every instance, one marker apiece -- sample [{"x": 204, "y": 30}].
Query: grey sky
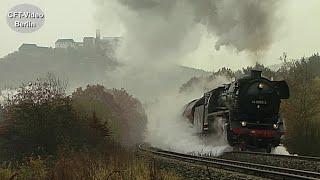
[{"x": 298, "y": 33}]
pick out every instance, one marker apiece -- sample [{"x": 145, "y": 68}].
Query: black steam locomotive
[{"x": 249, "y": 108}]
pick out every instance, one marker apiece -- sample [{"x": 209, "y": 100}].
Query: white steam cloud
[
  {"x": 168, "y": 130},
  {"x": 280, "y": 150},
  {"x": 159, "y": 34}
]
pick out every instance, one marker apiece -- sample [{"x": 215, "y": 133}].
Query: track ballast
[{"x": 261, "y": 170}]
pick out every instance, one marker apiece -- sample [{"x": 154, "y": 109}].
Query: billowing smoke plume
[
  {"x": 159, "y": 34},
  {"x": 245, "y": 25}
]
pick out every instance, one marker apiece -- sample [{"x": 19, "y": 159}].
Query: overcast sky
[{"x": 298, "y": 33}]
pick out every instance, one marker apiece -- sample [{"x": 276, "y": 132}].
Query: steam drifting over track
[{"x": 261, "y": 170}]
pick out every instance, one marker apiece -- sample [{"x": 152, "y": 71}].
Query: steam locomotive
[{"x": 249, "y": 107}]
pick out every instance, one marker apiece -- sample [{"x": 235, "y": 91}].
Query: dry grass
[{"x": 88, "y": 165}]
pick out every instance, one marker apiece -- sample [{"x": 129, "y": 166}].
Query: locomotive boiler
[{"x": 249, "y": 107}]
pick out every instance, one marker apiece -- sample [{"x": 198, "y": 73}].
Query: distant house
[
  {"x": 27, "y": 47},
  {"x": 65, "y": 43},
  {"x": 88, "y": 42},
  {"x": 33, "y": 48}
]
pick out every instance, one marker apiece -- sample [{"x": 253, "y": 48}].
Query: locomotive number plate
[{"x": 260, "y": 102}]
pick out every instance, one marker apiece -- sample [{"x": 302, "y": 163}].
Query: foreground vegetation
[
  {"x": 112, "y": 164},
  {"x": 47, "y": 134}
]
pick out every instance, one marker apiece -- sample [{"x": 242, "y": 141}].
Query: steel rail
[
  {"x": 308, "y": 158},
  {"x": 238, "y": 166}
]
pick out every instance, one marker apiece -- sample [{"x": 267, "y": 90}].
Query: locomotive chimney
[{"x": 255, "y": 74}]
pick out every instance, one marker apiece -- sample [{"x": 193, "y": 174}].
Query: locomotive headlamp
[
  {"x": 261, "y": 86},
  {"x": 275, "y": 126},
  {"x": 243, "y": 123}
]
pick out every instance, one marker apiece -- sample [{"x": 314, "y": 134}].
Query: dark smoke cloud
[
  {"x": 247, "y": 25},
  {"x": 158, "y": 34}
]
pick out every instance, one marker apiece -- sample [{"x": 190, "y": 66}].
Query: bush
[
  {"x": 40, "y": 119},
  {"x": 124, "y": 114},
  {"x": 133, "y": 114}
]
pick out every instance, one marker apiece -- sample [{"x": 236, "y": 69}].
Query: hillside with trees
[{"x": 78, "y": 66}]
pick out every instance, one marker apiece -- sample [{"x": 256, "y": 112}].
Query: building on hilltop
[
  {"x": 33, "y": 48},
  {"x": 92, "y": 42},
  {"x": 97, "y": 44},
  {"x": 27, "y": 47},
  {"x": 65, "y": 43},
  {"x": 88, "y": 42}
]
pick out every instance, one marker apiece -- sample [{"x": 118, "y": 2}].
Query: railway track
[
  {"x": 307, "y": 158},
  {"x": 261, "y": 170}
]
